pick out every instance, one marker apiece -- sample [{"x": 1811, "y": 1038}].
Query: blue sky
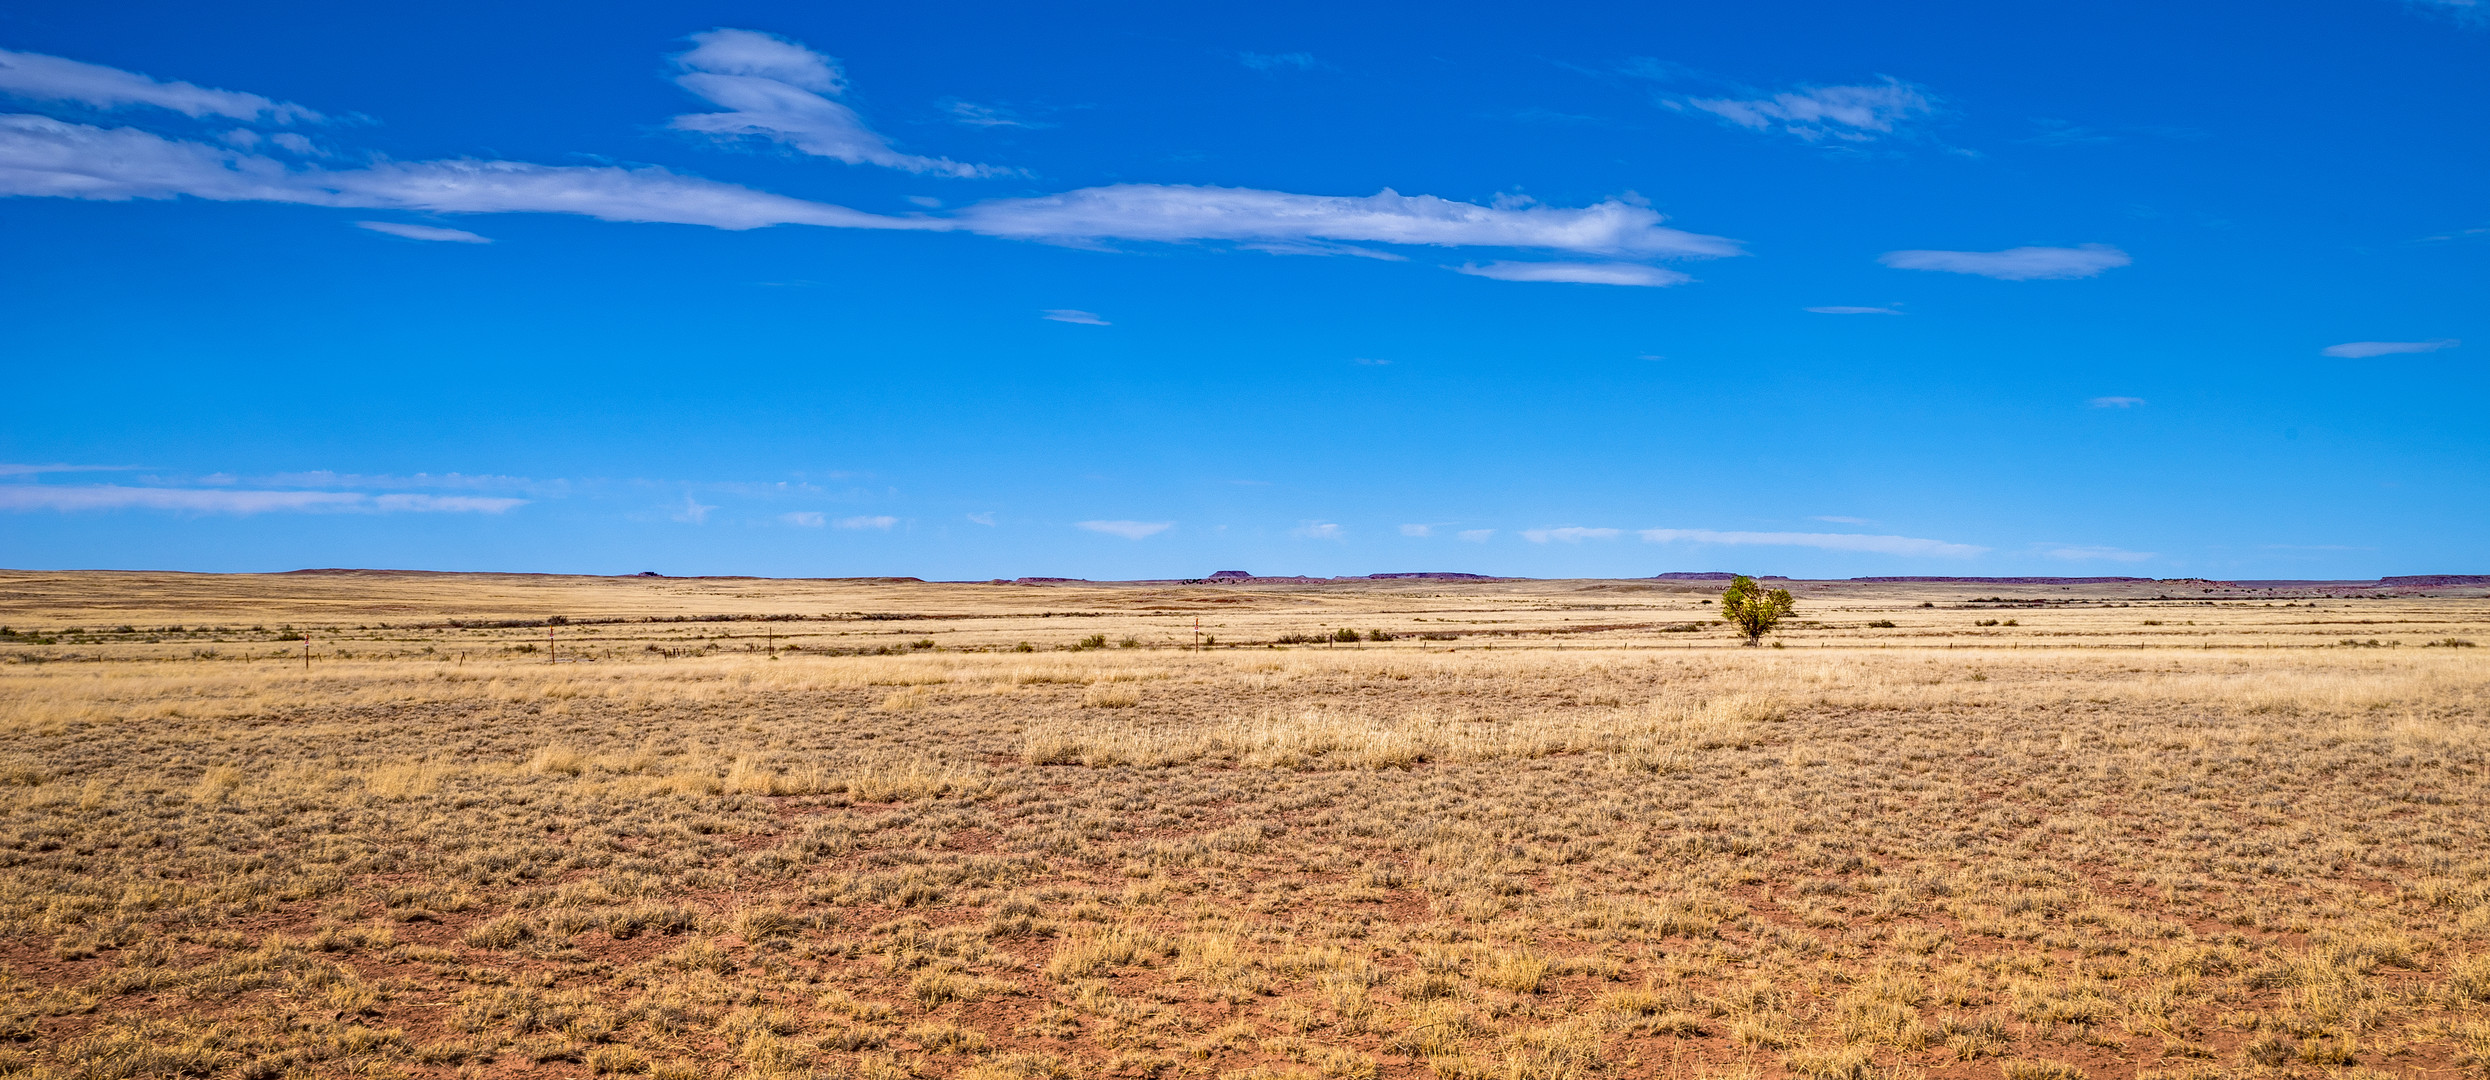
[{"x": 1127, "y": 291}]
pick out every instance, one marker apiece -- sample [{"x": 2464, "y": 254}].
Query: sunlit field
[{"x": 434, "y": 825}]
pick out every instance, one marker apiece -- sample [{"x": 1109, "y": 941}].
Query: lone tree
[{"x": 1753, "y": 609}]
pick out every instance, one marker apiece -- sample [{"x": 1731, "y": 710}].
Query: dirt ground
[{"x": 435, "y": 825}]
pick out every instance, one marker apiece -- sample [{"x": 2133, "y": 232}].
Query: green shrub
[{"x": 1753, "y": 609}]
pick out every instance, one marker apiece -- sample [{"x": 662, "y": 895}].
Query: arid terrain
[{"x": 468, "y": 825}]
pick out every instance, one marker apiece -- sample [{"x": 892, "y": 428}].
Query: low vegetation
[{"x": 1553, "y": 858}]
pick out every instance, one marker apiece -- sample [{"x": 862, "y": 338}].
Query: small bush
[
  {"x": 499, "y": 932},
  {"x": 2039, "y": 1069},
  {"x": 1881, "y": 624},
  {"x": 1521, "y": 973}
]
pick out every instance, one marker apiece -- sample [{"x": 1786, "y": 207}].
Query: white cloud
[
  {"x": 1073, "y": 315},
  {"x": 478, "y": 504},
  {"x": 875, "y": 521},
  {"x": 2464, "y": 12},
  {"x": 1477, "y": 536},
  {"x": 1882, "y": 545},
  {"x": 810, "y": 519},
  {"x": 984, "y": 116},
  {"x": 1845, "y": 310},
  {"x": 2362, "y": 350},
  {"x": 65, "y": 497},
  {"x": 1816, "y": 113},
  {"x": 778, "y": 90},
  {"x": 2014, "y": 264},
  {"x": 325, "y": 478},
  {"x": 694, "y": 512},
  {"x": 42, "y": 156},
  {"x": 986, "y": 518},
  {"x": 7, "y": 469},
  {"x": 1129, "y": 530},
  {"x": 2115, "y": 402},
  {"x": 1318, "y": 530},
  {"x": 51, "y": 78},
  {"x": 1837, "y": 519},
  {"x": 423, "y": 232},
  {"x": 1417, "y": 530},
  {"x": 1570, "y": 534},
  {"x": 1577, "y": 273},
  {"x": 1180, "y": 212},
  {"x": 1294, "y": 61},
  {"x": 2106, "y": 553}
]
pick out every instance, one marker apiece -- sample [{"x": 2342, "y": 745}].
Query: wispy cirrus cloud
[
  {"x": 8, "y": 469},
  {"x": 452, "y": 481},
  {"x": 1577, "y": 273},
  {"x": 84, "y": 497},
  {"x": 1287, "y": 61},
  {"x": 1129, "y": 530},
  {"x": 2362, "y": 350},
  {"x": 693, "y": 511},
  {"x": 1569, "y": 534},
  {"x": 810, "y": 519},
  {"x": 1476, "y": 536},
  {"x": 881, "y": 522},
  {"x": 780, "y": 91},
  {"x": 2472, "y": 13},
  {"x": 2014, "y": 264},
  {"x": 53, "y": 78},
  {"x": 2115, "y": 402},
  {"x": 41, "y": 156},
  {"x": 1178, "y": 213},
  {"x": 1073, "y": 315},
  {"x": 1856, "y": 113},
  {"x": 1318, "y": 530},
  {"x": 971, "y": 114},
  {"x": 1881, "y": 545},
  {"x": 423, "y": 232}
]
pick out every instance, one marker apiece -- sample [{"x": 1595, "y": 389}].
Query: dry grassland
[{"x": 1545, "y": 832}]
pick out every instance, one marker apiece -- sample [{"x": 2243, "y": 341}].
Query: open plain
[{"x": 432, "y": 825}]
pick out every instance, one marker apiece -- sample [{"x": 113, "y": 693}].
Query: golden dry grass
[{"x": 1561, "y": 838}]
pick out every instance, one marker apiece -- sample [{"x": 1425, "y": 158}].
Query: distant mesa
[
  {"x": 648, "y": 573},
  {"x": 1243, "y": 577},
  {"x": 2423, "y": 581},
  {"x": 1707, "y": 575},
  {"x": 2003, "y": 580}
]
